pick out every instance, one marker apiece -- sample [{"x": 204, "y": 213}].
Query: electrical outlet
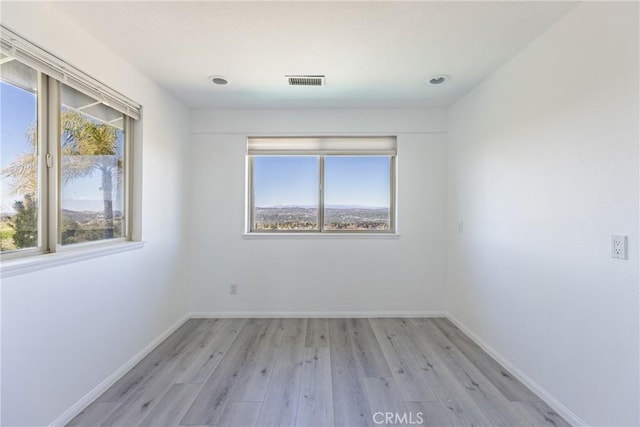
[
  {"x": 619, "y": 247},
  {"x": 461, "y": 227},
  {"x": 233, "y": 289}
]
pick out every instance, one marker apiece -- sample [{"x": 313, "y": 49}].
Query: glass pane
[
  {"x": 19, "y": 224},
  {"x": 92, "y": 170},
  {"x": 357, "y": 193},
  {"x": 285, "y": 191}
]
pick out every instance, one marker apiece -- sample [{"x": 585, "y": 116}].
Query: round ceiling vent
[
  {"x": 219, "y": 80},
  {"x": 438, "y": 79}
]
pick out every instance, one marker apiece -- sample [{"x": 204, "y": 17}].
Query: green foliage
[
  {"x": 25, "y": 222},
  {"x": 87, "y": 146},
  {"x": 6, "y": 237},
  {"x": 82, "y": 136},
  {"x": 6, "y": 231},
  {"x": 74, "y": 231}
]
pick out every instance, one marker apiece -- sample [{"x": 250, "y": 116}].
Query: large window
[
  {"x": 65, "y": 171},
  {"x": 321, "y": 184}
]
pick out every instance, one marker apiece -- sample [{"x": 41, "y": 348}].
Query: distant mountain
[
  {"x": 287, "y": 207},
  {"x": 354, "y": 207},
  {"x": 326, "y": 206},
  {"x": 86, "y": 216}
]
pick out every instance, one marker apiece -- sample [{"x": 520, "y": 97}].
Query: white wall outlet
[
  {"x": 461, "y": 227},
  {"x": 233, "y": 289},
  {"x": 619, "y": 246}
]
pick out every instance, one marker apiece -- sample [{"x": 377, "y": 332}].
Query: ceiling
[{"x": 374, "y": 54}]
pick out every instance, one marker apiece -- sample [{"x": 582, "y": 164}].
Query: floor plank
[
  {"x": 464, "y": 413},
  {"x": 491, "y": 402},
  {"x": 144, "y": 399},
  {"x": 508, "y": 385},
  {"x": 429, "y": 414},
  {"x": 280, "y": 404},
  {"x": 367, "y": 353},
  {"x": 403, "y": 358},
  {"x": 315, "y": 400},
  {"x": 94, "y": 414},
  {"x": 317, "y": 333},
  {"x": 462, "y": 410},
  {"x": 350, "y": 405},
  {"x": 209, "y": 405},
  {"x": 224, "y": 332},
  {"x": 151, "y": 365},
  {"x": 253, "y": 379},
  {"x": 172, "y": 406},
  {"x": 295, "y": 328},
  {"x": 383, "y": 397},
  {"x": 541, "y": 414},
  {"x": 240, "y": 414}
]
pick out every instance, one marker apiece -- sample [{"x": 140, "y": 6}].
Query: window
[
  {"x": 65, "y": 140},
  {"x": 328, "y": 185}
]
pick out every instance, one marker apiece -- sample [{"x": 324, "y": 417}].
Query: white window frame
[
  {"x": 321, "y": 147},
  {"x": 52, "y": 73}
]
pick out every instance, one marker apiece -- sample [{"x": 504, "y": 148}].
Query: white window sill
[
  {"x": 382, "y": 236},
  {"x": 28, "y": 264}
]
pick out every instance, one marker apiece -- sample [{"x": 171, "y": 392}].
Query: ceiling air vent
[{"x": 305, "y": 80}]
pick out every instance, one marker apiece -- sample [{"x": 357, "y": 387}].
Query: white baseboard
[
  {"x": 315, "y": 314},
  {"x": 554, "y": 403},
  {"x": 80, "y": 405}
]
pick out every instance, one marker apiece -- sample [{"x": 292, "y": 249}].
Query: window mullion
[
  {"x": 392, "y": 192},
  {"x": 41, "y": 153},
  {"x": 52, "y": 135},
  {"x": 321, "y": 195},
  {"x": 252, "y": 198},
  {"x": 127, "y": 154}
]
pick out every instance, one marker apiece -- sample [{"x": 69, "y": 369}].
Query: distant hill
[
  {"x": 326, "y": 206},
  {"x": 306, "y": 218},
  {"x": 86, "y": 216}
]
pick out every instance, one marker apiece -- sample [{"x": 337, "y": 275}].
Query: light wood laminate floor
[{"x": 318, "y": 372}]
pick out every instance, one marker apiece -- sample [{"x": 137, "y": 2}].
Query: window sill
[
  {"x": 382, "y": 236},
  {"x": 15, "y": 267}
]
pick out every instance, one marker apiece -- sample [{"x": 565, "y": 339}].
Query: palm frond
[
  {"x": 85, "y": 146},
  {"x": 23, "y": 172}
]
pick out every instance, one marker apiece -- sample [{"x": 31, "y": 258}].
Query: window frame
[
  {"x": 250, "y": 188},
  {"x": 49, "y": 158}
]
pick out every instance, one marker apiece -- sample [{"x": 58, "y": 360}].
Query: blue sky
[
  {"x": 360, "y": 181},
  {"x": 17, "y": 115},
  {"x": 349, "y": 181}
]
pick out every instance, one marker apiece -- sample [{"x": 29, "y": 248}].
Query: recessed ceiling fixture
[
  {"x": 437, "y": 79},
  {"x": 219, "y": 80},
  {"x": 306, "y": 80}
]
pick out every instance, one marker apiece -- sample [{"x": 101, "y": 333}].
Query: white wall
[
  {"x": 318, "y": 276},
  {"x": 543, "y": 170},
  {"x": 66, "y": 329}
]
